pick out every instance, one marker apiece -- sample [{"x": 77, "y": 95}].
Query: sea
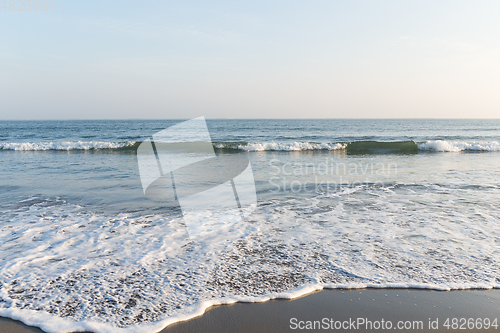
[{"x": 341, "y": 203}]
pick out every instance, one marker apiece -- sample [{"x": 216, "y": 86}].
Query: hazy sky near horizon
[{"x": 259, "y": 59}]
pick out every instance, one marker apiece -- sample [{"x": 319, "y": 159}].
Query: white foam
[
  {"x": 435, "y": 145},
  {"x": 59, "y": 257},
  {"x": 64, "y": 145},
  {"x": 293, "y": 146},
  {"x": 457, "y": 146}
]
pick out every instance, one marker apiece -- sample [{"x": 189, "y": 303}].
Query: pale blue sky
[{"x": 262, "y": 59}]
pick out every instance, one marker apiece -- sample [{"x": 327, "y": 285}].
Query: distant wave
[
  {"x": 365, "y": 147},
  {"x": 457, "y": 146},
  {"x": 67, "y": 145},
  {"x": 269, "y": 146},
  {"x": 354, "y": 147}
]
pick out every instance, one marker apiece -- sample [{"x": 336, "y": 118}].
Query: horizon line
[{"x": 223, "y": 118}]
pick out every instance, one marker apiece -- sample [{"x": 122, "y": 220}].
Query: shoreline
[{"x": 328, "y": 307}]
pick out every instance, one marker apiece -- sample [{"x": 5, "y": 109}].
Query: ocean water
[{"x": 341, "y": 203}]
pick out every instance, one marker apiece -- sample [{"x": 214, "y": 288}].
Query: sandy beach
[
  {"x": 414, "y": 308},
  {"x": 14, "y": 326},
  {"x": 344, "y": 305}
]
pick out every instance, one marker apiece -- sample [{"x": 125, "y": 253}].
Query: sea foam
[
  {"x": 292, "y": 146},
  {"x": 66, "y": 268},
  {"x": 355, "y": 146},
  {"x": 371, "y": 147},
  {"x": 457, "y": 146},
  {"x": 64, "y": 145}
]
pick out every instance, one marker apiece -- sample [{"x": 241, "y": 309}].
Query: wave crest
[
  {"x": 456, "y": 146},
  {"x": 354, "y": 147},
  {"x": 66, "y": 145},
  {"x": 293, "y": 146}
]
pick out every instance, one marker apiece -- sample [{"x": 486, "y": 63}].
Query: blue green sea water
[{"x": 340, "y": 203}]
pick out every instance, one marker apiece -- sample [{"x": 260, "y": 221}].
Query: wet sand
[
  {"x": 341, "y": 305},
  {"x": 8, "y": 325},
  {"x": 328, "y": 308}
]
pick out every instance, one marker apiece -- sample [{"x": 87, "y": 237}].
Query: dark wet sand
[
  {"x": 13, "y": 326},
  {"x": 340, "y": 305}
]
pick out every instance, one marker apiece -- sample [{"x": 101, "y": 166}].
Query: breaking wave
[
  {"x": 365, "y": 147},
  {"x": 67, "y": 145},
  {"x": 269, "y": 146},
  {"x": 457, "y": 146},
  {"x": 354, "y": 147}
]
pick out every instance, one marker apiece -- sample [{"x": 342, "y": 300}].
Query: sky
[{"x": 254, "y": 59}]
